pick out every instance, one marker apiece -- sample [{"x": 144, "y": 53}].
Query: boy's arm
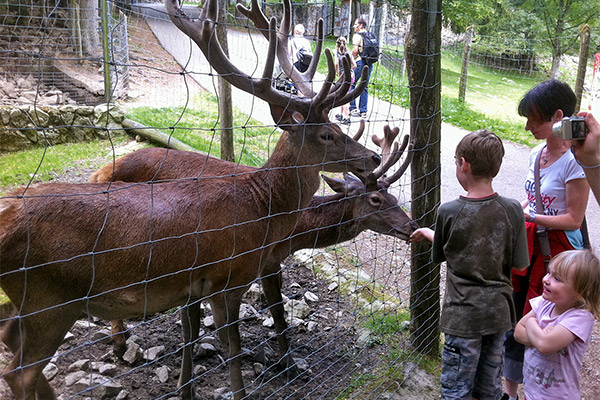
[
  {"x": 422, "y": 233},
  {"x": 546, "y": 341}
]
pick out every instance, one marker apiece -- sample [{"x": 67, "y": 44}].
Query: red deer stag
[
  {"x": 120, "y": 250},
  {"x": 326, "y": 221}
]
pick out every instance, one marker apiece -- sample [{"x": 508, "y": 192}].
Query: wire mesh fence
[
  {"x": 76, "y": 70},
  {"x": 176, "y": 258}
]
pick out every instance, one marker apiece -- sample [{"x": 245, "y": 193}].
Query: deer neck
[
  {"x": 291, "y": 176},
  {"x": 326, "y": 221}
]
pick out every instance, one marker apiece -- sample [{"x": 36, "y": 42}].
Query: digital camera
[{"x": 570, "y": 128}]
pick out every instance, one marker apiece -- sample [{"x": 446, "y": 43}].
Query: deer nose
[{"x": 376, "y": 159}]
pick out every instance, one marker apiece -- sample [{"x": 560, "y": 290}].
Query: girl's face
[{"x": 559, "y": 291}]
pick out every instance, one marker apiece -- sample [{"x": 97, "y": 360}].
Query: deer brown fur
[
  {"x": 327, "y": 220},
  {"x": 120, "y": 250}
]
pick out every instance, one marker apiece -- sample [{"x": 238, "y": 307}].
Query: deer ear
[
  {"x": 338, "y": 185},
  {"x": 284, "y": 117}
]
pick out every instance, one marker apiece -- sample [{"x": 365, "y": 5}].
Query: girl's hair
[
  {"x": 341, "y": 45},
  {"x": 585, "y": 276}
]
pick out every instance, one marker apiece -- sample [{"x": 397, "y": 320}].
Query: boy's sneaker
[
  {"x": 339, "y": 117},
  {"x": 363, "y": 115},
  {"x": 346, "y": 121},
  {"x": 355, "y": 113}
]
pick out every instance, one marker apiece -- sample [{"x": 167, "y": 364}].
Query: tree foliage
[{"x": 551, "y": 23}]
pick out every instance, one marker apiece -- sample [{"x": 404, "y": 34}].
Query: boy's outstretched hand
[{"x": 420, "y": 234}]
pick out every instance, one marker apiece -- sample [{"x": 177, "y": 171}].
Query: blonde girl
[
  {"x": 341, "y": 48},
  {"x": 558, "y": 329}
]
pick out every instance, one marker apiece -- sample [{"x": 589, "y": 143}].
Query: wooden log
[{"x": 135, "y": 128}]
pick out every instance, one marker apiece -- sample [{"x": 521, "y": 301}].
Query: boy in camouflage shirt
[{"x": 482, "y": 237}]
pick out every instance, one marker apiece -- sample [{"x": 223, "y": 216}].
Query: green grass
[
  {"x": 197, "y": 125},
  {"x": 386, "y": 331},
  {"x": 41, "y": 165},
  {"x": 491, "y": 98}
]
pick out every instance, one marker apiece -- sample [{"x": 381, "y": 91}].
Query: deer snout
[{"x": 413, "y": 225}]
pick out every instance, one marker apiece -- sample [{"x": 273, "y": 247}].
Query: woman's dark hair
[{"x": 547, "y": 97}]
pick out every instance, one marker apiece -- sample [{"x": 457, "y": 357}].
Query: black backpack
[
  {"x": 370, "y": 48},
  {"x": 305, "y": 57}
]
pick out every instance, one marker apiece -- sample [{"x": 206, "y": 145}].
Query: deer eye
[
  {"x": 376, "y": 201},
  {"x": 326, "y": 136}
]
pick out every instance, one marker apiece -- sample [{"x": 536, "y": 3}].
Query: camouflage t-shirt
[{"x": 481, "y": 240}]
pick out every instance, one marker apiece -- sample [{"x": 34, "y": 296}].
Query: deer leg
[
  {"x": 10, "y": 333},
  {"x": 271, "y": 284},
  {"x": 190, "y": 325},
  {"x": 119, "y": 337},
  {"x": 226, "y": 312},
  {"x": 35, "y": 339}
]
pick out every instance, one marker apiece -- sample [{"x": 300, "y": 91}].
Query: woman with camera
[
  {"x": 554, "y": 225},
  {"x": 587, "y": 153}
]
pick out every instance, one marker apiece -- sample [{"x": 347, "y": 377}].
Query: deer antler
[
  {"x": 385, "y": 143},
  {"x": 389, "y": 151},
  {"x": 387, "y": 181},
  {"x": 390, "y": 156},
  {"x": 359, "y": 132},
  {"x": 202, "y": 32},
  {"x": 301, "y": 79},
  {"x": 339, "y": 94}
]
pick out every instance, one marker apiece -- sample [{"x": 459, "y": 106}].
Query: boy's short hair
[
  {"x": 484, "y": 150},
  {"x": 544, "y": 99}
]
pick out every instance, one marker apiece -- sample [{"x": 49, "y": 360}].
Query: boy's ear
[{"x": 463, "y": 164}]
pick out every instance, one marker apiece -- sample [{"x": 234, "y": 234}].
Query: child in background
[
  {"x": 341, "y": 50},
  {"x": 482, "y": 237},
  {"x": 558, "y": 329}
]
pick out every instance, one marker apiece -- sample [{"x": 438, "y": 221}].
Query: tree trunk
[
  {"x": 584, "y": 49},
  {"x": 557, "y": 49},
  {"x": 556, "y": 54},
  {"x": 225, "y": 103},
  {"x": 89, "y": 23},
  {"x": 378, "y": 17},
  {"x": 354, "y": 13},
  {"x": 423, "y": 68}
]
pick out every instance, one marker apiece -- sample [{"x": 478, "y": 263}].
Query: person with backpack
[
  {"x": 300, "y": 49},
  {"x": 366, "y": 53}
]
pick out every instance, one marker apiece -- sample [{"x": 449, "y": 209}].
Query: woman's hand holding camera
[{"x": 587, "y": 153}]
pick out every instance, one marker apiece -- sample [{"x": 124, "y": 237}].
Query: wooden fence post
[
  {"x": 423, "y": 60},
  {"x": 224, "y": 94},
  {"x": 462, "y": 86},
  {"x": 584, "y": 49}
]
